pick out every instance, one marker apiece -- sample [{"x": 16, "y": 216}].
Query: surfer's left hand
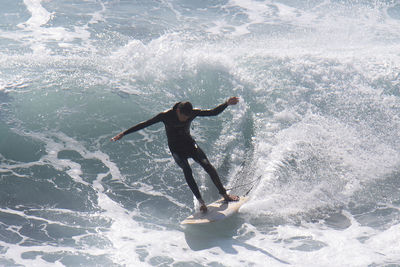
[{"x": 232, "y": 101}]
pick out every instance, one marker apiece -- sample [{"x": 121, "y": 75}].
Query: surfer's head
[{"x": 184, "y": 110}]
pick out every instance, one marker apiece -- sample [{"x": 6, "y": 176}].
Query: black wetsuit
[{"x": 183, "y": 146}]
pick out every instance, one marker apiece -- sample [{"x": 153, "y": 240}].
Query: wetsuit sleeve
[
  {"x": 144, "y": 124},
  {"x": 211, "y": 112}
]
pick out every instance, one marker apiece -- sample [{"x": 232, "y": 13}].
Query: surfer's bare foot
[
  {"x": 230, "y": 198},
  {"x": 203, "y": 207}
]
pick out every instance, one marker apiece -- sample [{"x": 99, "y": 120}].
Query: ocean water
[{"x": 315, "y": 137}]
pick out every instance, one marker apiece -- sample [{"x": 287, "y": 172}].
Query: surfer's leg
[
  {"x": 184, "y": 164},
  {"x": 201, "y": 158}
]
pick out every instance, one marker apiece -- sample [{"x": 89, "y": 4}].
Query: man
[{"x": 182, "y": 145}]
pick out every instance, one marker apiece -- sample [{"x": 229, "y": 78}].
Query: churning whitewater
[{"x": 315, "y": 138}]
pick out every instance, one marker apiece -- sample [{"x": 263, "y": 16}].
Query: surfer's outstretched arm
[
  {"x": 217, "y": 110},
  {"x": 138, "y": 127},
  {"x": 232, "y": 101}
]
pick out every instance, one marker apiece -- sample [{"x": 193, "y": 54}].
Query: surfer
[{"x": 182, "y": 145}]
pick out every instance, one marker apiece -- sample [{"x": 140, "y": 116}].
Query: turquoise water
[{"x": 315, "y": 135}]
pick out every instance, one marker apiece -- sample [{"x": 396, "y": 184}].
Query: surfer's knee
[{"x": 210, "y": 170}]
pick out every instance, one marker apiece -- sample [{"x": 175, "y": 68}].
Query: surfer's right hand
[{"x": 117, "y": 137}]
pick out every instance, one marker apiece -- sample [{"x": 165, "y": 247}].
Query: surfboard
[{"x": 216, "y": 211}]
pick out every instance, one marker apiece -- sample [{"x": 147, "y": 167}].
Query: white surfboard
[{"x": 216, "y": 211}]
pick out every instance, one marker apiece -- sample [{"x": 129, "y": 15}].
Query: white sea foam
[
  {"x": 349, "y": 164},
  {"x": 40, "y": 16},
  {"x": 36, "y": 32}
]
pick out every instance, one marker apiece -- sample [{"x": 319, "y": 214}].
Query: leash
[{"x": 252, "y": 183}]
